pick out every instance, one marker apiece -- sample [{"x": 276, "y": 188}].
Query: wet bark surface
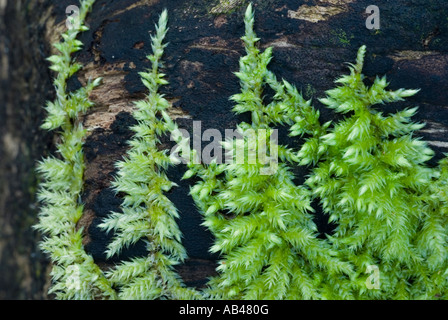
[{"x": 312, "y": 41}]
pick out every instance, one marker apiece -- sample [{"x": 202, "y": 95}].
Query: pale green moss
[
  {"x": 75, "y": 275},
  {"x": 146, "y": 212},
  {"x": 368, "y": 172},
  {"x": 372, "y": 180}
]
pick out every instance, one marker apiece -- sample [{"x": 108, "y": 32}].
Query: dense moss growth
[{"x": 368, "y": 171}]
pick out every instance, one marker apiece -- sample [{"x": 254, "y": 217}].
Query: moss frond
[
  {"x": 146, "y": 212},
  {"x": 75, "y": 275}
]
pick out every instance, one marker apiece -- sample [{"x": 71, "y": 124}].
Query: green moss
[
  {"x": 74, "y": 273},
  {"x": 341, "y": 37},
  {"x": 147, "y": 214},
  {"x": 266, "y": 238},
  {"x": 368, "y": 171},
  {"x": 372, "y": 180}
]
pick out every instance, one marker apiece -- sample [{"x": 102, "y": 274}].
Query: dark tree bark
[
  {"x": 312, "y": 40},
  {"x": 25, "y": 86}
]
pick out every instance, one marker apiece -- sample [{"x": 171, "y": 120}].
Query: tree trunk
[
  {"x": 25, "y": 86},
  {"x": 312, "y": 40}
]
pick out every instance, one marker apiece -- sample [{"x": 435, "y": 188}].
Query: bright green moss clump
[
  {"x": 261, "y": 220},
  {"x": 372, "y": 181}
]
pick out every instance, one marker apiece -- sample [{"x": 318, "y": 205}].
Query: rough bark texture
[
  {"x": 25, "y": 86},
  {"x": 312, "y": 40}
]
